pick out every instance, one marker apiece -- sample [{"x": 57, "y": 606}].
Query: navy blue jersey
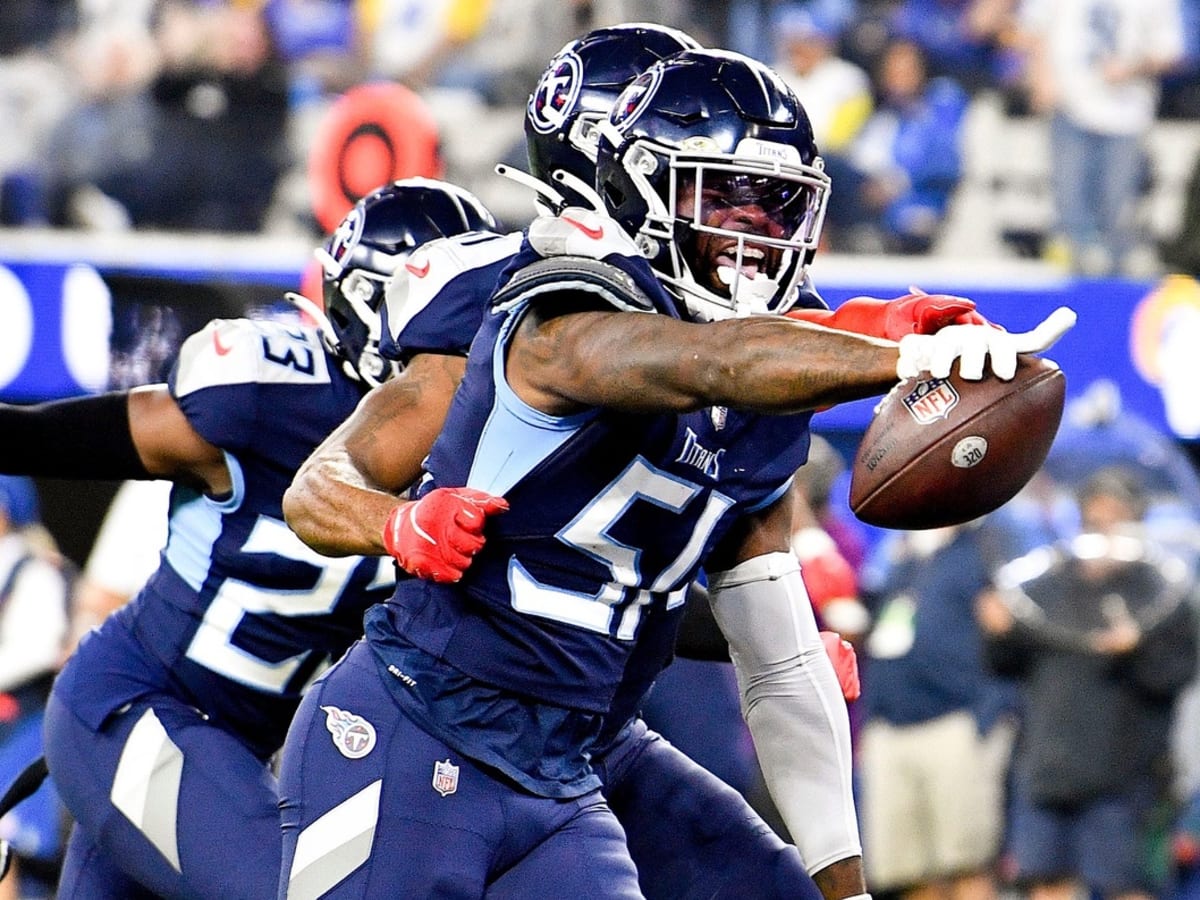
[
  {"x": 240, "y": 615},
  {"x": 611, "y": 516}
]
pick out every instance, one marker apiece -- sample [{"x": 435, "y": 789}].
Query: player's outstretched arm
[
  {"x": 138, "y": 434},
  {"x": 341, "y": 497},
  {"x": 791, "y": 698},
  {"x": 767, "y": 364}
]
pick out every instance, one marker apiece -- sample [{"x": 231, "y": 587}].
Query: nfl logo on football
[
  {"x": 931, "y": 400},
  {"x": 445, "y": 777}
]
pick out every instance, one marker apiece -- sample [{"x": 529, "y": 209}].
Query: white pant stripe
[
  {"x": 335, "y": 845},
  {"x": 146, "y": 785}
]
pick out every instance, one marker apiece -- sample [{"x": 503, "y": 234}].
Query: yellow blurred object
[{"x": 465, "y": 19}]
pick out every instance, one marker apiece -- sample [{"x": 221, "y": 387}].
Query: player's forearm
[
  {"x": 792, "y": 703},
  {"x": 84, "y": 438},
  {"x": 331, "y": 508},
  {"x": 340, "y": 499},
  {"x": 650, "y": 363},
  {"x": 842, "y": 879}
]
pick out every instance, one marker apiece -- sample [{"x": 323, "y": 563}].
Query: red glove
[
  {"x": 436, "y": 537},
  {"x": 915, "y": 313},
  {"x": 845, "y": 663}
]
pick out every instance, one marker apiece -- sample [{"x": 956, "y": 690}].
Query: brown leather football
[{"x": 941, "y": 451}]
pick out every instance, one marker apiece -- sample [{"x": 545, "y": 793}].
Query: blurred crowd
[
  {"x": 994, "y": 751},
  {"x": 203, "y": 114}
]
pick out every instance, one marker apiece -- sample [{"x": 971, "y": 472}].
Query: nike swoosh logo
[
  {"x": 221, "y": 349},
  {"x": 594, "y": 233},
  {"x": 419, "y": 271}
]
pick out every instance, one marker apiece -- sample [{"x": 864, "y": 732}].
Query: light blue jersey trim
[
  {"x": 516, "y": 437},
  {"x": 772, "y": 497},
  {"x": 196, "y": 525}
]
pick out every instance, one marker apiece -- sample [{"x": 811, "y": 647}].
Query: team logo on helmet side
[
  {"x": 635, "y": 98},
  {"x": 349, "y": 232},
  {"x": 556, "y": 93},
  {"x": 353, "y": 735},
  {"x": 930, "y": 400}
]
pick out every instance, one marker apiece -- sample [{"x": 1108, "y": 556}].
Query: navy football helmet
[
  {"x": 576, "y": 91},
  {"x": 372, "y": 241},
  {"x": 708, "y": 161}
]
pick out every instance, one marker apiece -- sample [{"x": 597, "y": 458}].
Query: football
[{"x": 941, "y": 451}]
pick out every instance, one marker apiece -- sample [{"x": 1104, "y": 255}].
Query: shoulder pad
[
  {"x": 432, "y": 266},
  {"x": 574, "y": 274},
  {"x": 244, "y": 351}
]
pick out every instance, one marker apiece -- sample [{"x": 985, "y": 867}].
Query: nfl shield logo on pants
[{"x": 445, "y": 777}]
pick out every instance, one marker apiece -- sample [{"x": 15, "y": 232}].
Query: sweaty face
[{"x": 733, "y": 208}]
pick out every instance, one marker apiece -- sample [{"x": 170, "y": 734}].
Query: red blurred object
[
  {"x": 845, "y": 663},
  {"x": 374, "y": 133},
  {"x": 1185, "y": 847}
]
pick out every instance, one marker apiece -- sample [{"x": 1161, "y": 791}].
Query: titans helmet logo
[
  {"x": 348, "y": 234},
  {"x": 556, "y": 93},
  {"x": 635, "y": 98}
]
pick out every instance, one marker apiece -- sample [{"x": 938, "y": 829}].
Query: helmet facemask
[
  {"x": 350, "y": 324},
  {"x": 742, "y": 249}
]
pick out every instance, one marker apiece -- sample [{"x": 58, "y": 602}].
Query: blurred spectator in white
[
  {"x": 835, "y": 92},
  {"x": 892, "y": 190},
  {"x": 124, "y": 554},
  {"x": 33, "y": 625},
  {"x": 1095, "y": 70}
]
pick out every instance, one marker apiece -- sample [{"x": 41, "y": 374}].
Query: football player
[
  {"x": 449, "y": 753},
  {"x": 690, "y": 834},
  {"x": 161, "y": 726}
]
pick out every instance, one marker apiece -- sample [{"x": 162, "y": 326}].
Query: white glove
[
  {"x": 972, "y": 344},
  {"x": 580, "y": 232}
]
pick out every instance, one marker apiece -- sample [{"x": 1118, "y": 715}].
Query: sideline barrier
[{"x": 62, "y": 324}]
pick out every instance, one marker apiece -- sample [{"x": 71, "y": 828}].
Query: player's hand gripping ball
[{"x": 942, "y": 451}]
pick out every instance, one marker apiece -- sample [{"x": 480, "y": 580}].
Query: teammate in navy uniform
[
  {"x": 161, "y": 726},
  {"x": 449, "y": 753}
]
